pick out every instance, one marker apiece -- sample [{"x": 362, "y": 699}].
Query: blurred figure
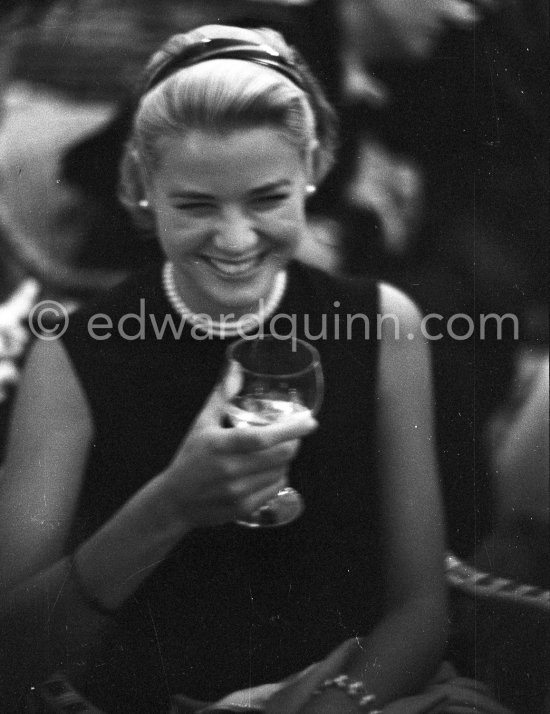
[
  {"x": 460, "y": 91},
  {"x": 389, "y": 31},
  {"x": 47, "y": 219},
  {"x": 445, "y": 192},
  {"x": 505, "y": 636},
  {"x": 518, "y": 434},
  {"x": 391, "y": 185}
]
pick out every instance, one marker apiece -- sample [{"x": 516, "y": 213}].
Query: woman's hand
[
  {"x": 299, "y": 692},
  {"x": 224, "y": 474}
]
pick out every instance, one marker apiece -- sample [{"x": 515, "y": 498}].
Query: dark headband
[{"x": 222, "y": 48}]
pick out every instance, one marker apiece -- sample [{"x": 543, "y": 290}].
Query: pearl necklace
[{"x": 226, "y": 328}]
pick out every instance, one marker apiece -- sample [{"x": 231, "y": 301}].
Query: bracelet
[
  {"x": 90, "y": 600},
  {"x": 356, "y": 690}
]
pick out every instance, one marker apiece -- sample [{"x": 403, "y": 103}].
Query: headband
[{"x": 222, "y": 48}]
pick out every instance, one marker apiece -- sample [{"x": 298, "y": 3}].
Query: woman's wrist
[
  {"x": 83, "y": 591},
  {"x": 164, "y": 507}
]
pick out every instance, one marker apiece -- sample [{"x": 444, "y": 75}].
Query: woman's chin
[{"x": 209, "y": 288}]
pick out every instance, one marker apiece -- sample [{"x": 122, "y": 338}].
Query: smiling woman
[
  {"x": 124, "y": 571},
  {"x": 224, "y": 168},
  {"x": 230, "y": 215}
]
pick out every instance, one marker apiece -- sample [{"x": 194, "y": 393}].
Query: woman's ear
[
  {"x": 317, "y": 164},
  {"x": 142, "y": 178},
  {"x": 134, "y": 189},
  {"x": 314, "y": 171}
]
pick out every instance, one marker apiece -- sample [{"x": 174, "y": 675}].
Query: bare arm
[
  {"x": 46, "y": 624},
  {"x": 403, "y": 651},
  {"x": 216, "y": 476},
  {"x": 51, "y": 431}
]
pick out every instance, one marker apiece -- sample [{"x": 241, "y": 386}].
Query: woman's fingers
[
  {"x": 257, "y": 438},
  {"x": 240, "y": 498},
  {"x": 220, "y": 474},
  {"x": 299, "y": 689},
  {"x": 243, "y": 489},
  {"x": 256, "y": 462},
  {"x": 259, "y": 498}
]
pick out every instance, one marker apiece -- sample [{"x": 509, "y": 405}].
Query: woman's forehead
[
  {"x": 246, "y": 145},
  {"x": 260, "y": 154}
]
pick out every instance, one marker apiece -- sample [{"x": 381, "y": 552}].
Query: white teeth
[{"x": 233, "y": 268}]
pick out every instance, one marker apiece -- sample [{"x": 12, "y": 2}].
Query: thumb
[{"x": 227, "y": 388}]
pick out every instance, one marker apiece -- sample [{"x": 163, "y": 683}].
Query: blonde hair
[{"x": 220, "y": 96}]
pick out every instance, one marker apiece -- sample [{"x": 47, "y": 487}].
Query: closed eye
[
  {"x": 193, "y": 205},
  {"x": 270, "y": 199}
]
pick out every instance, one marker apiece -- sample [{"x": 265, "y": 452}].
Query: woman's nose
[{"x": 235, "y": 232}]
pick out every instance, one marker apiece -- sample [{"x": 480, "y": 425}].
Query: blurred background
[{"x": 441, "y": 188}]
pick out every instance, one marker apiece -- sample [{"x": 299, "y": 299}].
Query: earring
[
  {"x": 310, "y": 189},
  {"x": 143, "y": 204}
]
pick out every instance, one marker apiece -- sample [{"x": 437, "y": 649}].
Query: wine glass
[{"x": 279, "y": 377}]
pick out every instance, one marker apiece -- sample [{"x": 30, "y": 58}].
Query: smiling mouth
[{"x": 234, "y": 268}]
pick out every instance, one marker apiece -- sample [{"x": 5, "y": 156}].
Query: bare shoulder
[
  {"x": 404, "y": 347},
  {"x": 395, "y": 302}
]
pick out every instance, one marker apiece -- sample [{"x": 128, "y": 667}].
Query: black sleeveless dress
[{"x": 231, "y": 607}]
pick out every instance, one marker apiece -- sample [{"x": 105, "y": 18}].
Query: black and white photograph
[{"x": 274, "y": 357}]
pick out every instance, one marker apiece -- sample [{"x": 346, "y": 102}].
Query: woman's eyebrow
[
  {"x": 198, "y": 195},
  {"x": 192, "y": 195},
  {"x": 272, "y": 186}
]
